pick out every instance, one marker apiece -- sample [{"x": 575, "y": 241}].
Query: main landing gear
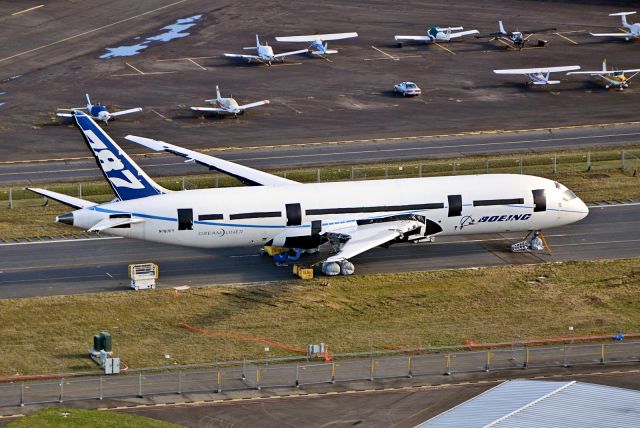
[
  {"x": 534, "y": 241},
  {"x": 344, "y": 267}
]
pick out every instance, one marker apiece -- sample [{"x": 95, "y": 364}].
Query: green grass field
[
  {"x": 47, "y": 418},
  {"x": 53, "y": 334}
]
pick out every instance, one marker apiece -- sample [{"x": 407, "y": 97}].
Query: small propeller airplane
[
  {"x": 265, "y": 53},
  {"x": 228, "y": 105},
  {"x": 634, "y": 29},
  {"x": 438, "y": 34},
  {"x": 539, "y": 76},
  {"x": 515, "y": 39},
  {"x": 97, "y": 111},
  {"x": 613, "y": 78},
  {"x": 318, "y": 42}
]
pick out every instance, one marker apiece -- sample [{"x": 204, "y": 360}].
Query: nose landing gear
[{"x": 534, "y": 241}]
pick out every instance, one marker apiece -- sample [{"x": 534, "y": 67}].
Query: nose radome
[{"x": 583, "y": 208}]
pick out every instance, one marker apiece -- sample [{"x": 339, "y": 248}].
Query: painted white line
[
  {"x": 628, "y": 204},
  {"x": 109, "y": 275},
  {"x": 244, "y": 255},
  {"x": 27, "y": 10},
  {"x": 10, "y": 244}
]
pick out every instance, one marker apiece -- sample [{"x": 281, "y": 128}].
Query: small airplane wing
[
  {"x": 301, "y": 51},
  {"x": 62, "y": 198},
  {"x": 123, "y": 112},
  {"x": 370, "y": 236},
  {"x": 108, "y": 223},
  {"x": 612, "y": 34},
  {"x": 416, "y": 38},
  {"x": 537, "y": 70},
  {"x": 246, "y": 175},
  {"x": 64, "y": 114},
  {"x": 463, "y": 33},
  {"x": 314, "y": 37},
  {"x": 209, "y": 109},
  {"x": 602, "y": 72},
  {"x": 241, "y": 56},
  {"x": 251, "y": 105}
]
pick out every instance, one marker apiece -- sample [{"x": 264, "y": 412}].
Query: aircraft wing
[
  {"x": 369, "y": 236},
  {"x": 280, "y": 55},
  {"x": 612, "y": 34},
  {"x": 538, "y": 70},
  {"x": 64, "y": 114},
  {"x": 108, "y": 223},
  {"x": 251, "y": 105},
  {"x": 209, "y": 109},
  {"x": 246, "y": 175},
  {"x": 123, "y": 112},
  {"x": 463, "y": 33},
  {"x": 314, "y": 37},
  {"x": 602, "y": 73},
  {"x": 416, "y": 38},
  {"x": 62, "y": 198},
  {"x": 241, "y": 56}
]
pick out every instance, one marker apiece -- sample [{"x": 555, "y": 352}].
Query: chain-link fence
[
  {"x": 257, "y": 375},
  {"x": 534, "y": 164}
]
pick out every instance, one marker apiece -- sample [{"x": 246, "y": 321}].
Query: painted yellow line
[
  {"x": 136, "y": 69},
  {"x": 446, "y": 49},
  {"x": 75, "y": 36},
  {"x": 161, "y": 115},
  {"x": 386, "y": 54},
  {"x": 185, "y": 58},
  {"x": 143, "y": 74},
  {"x": 396, "y": 58},
  {"x": 27, "y": 10},
  {"x": 196, "y": 64},
  {"x": 566, "y": 38}
]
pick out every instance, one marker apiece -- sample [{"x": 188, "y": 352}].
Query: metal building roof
[{"x": 541, "y": 404}]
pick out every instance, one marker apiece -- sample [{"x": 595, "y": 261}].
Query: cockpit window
[
  {"x": 557, "y": 185},
  {"x": 568, "y": 195}
]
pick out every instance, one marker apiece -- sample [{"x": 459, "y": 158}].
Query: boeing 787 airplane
[{"x": 352, "y": 217}]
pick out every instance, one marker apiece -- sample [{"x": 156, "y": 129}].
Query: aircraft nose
[{"x": 583, "y": 208}]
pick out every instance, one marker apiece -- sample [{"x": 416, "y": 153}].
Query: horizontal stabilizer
[
  {"x": 622, "y": 13},
  {"x": 246, "y": 175},
  {"x": 612, "y": 34},
  {"x": 63, "y": 199},
  {"x": 314, "y": 37},
  {"x": 123, "y": 112},
  {"x": 209, "y": 109},
  {"x": 109, "y": 223},
  {"x": 64, "y": 114}
]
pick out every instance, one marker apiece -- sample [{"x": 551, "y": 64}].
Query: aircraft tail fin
[
  {"x": 501, "y": 27},
  {"x": 124, "y": 175},
  {"x": 604, "y": 64},
  {"x": 218, "y": 96},
  {"x": 88, "y": 101}
]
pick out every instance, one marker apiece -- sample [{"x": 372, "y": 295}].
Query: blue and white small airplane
[
  {"x": 351, "y": 217},
  {"x": 265, "y": 53},
  {"x": 318, "y": 45},
  {"x": 98, "y": 111}
]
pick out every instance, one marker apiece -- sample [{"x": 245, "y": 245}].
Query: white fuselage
[
  {"x": 254, "y": 216},
  {"x": 229, "y": 104},
  {"x": 265, "y": 52}
]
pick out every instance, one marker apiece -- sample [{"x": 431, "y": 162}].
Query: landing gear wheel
[
  {"x": 346, "y": 267},
  {"x": 330, "y": 268}
]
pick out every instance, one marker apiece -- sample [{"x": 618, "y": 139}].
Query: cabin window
[
  {"x": 185, "y": 219},
  {"x": 455, "y": 205},
  {"x": 539, "y": 200},
  {"x": 294, "y": 214}
]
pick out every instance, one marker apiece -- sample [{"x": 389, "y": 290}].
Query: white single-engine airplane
[
  {"x": 438, "y": 34},
  {"x": 318, "y": 45},
  {"x": 352, "y": 217},
  {"x": 634, "y": 29},
  {"x": 265, "y": 53},
  {"x": 98, "y": 111},
  {"x": 539, "y": 76},
  {"x": 613, "y": 78},
  {"x": 228, "y": 105},
  {"x": 515, "y": 39}
]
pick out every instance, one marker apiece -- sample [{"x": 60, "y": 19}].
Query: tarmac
[
  {"x": 52, "y": 58},
  {"x": 100, "y": 264}
]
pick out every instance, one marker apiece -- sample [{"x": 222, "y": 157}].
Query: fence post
[
  {"x": 217, "y": 181},
  {"x": 258, "y": 379},
  {"x": 602, "y": 353},
  {"x": 487, "y": 166},
  {"x": 297, "y": 375},
  {"x": 10, "y": 198},
  {"x": 352, "y": 174},
  {"x": 526, "y": 358},
  {"x": 22, "y": 394},
  {"x": 453, "y": 168},
  {"x": 409, "y": 366},
  {"x": 448, "y": 358},
  {"x": 521, "y": 172},
  {"x": 220, "y": 380},
  {"x": 182, "y": 183},
  {"x": 333, "y": 372},
  {"x": 80, "y": 190},
  {"x": 420, "y": 170},
  {"x": 100, "y": 389},
  {"x": 564, "y": 351},
  {"x": 140, "y": 385},
  {"x": 179, "y": 382},
  {"x": 386, "y": 172},
  {"x": 318, "y": 175},
  {"x": 373, "y": 369},
  {"x": 589, "y": 161},
  {"x": 555, "y": 163},
  {"x": 622, "y": 160},
  {"x": 61, "y": 390},
  {"x": 487, "y": 366}
]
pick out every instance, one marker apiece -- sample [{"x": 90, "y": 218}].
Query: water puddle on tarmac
[{"x": 171, "y": 32}]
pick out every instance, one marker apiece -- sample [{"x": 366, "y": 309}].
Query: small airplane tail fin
[
  {"x": 124, "y": 175},
  {"x": 501, "y": 27},
  {"x": 218, "y": 96},
  {"x": 88, "y": 101},
  {"x": 623, "y": 17},
  {"x": 604, "y": 64}
]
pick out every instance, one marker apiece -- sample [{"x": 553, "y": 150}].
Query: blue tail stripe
[{"x": 125, "y": 176}]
